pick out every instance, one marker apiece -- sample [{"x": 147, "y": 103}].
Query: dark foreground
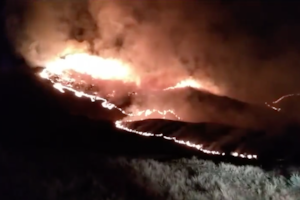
[{"x": 48, "y": 153}]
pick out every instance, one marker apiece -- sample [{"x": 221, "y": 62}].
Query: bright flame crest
[{"x": 93, "y": 66}]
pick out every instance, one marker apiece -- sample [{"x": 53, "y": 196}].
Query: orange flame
[
  {"x": 111, "y": 69},
  {"x": 186, "y": 83},
  {"x": 94, "y": 66}
]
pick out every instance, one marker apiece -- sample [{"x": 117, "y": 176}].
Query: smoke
[{"x": 230, "y": 48}]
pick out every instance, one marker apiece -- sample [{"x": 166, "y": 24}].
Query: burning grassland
[{"x": 165, "y": 60}]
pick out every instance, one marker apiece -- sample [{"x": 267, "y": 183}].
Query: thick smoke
[{"x": 230, "y": 48}]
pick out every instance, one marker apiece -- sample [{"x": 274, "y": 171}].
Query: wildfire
[
  {"x": 94, "y": 66},
  {"x": 279, "y": 100},
  {"x": 111, "y": 69},
  {"x": 186, "y": 83}
]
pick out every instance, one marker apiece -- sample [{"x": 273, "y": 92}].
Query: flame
[
  {"x": 272, "y": 105},
  {"x": 186, "y": 83},
  {"x": 149, "y": 112},
  {"x": 120, "y": 125},
  {"x": 112, "y": 69},
  {"x": 94, "y": 66}
]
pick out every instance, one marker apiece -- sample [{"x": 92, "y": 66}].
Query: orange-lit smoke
[
  {"x": 165, "y": 42},
  {"x": 155, "y": 40}
]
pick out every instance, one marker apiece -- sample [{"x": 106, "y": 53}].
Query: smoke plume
[{"x": 233, "y": 49}]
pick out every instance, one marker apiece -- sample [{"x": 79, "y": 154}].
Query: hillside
[{"x": 49, "y": 153}]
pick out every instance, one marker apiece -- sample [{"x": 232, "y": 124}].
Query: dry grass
[
  {"x": 198, "y": 179},
  {"x": 122, "y": 178}
]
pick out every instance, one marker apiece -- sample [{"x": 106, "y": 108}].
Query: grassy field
[{"x": 70, "y": 176}]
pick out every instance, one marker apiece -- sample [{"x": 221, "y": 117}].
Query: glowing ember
[
  {"x": 110, "y": 69},
  {"x": 280, "y": 99},
  {"x": 120, "y": 125},
  {"x": 285, "y": 96}
]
